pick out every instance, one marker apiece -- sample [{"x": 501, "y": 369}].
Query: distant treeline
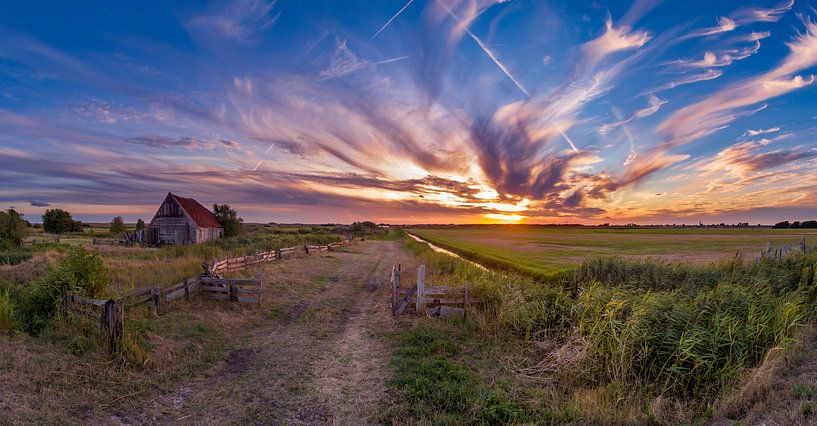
[{"x": 796, "y": 224}]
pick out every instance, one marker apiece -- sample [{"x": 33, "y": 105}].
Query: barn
[{"x": 182, "y": 220}]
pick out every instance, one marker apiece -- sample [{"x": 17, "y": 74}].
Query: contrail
[
  {"x": 569, "y": 141},
  {"x": 386, "y": 61},
  {"x": 409, "y": 2},
  {"x": 360, "y": 66},
  {"x": 487, "y": 51}
]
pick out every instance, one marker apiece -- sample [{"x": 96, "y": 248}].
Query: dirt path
[{"x": 316, "y": 355}]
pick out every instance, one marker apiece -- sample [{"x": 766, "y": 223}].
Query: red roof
[{"x": 203, "y": 217}]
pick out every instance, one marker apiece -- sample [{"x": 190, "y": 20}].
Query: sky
[{"x": 419, "y": 111}]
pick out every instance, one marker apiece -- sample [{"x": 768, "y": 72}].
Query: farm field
[{"x": 549, "y": 251}]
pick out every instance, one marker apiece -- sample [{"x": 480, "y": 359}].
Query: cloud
[
  {"x": 757, "y": 132},
  {"x": 230, "y": 144},
  {"x": 614, "y": 39},
  {"x": 654, "y": 105},
  {"x": 745, "y": 16},
  {"x": 240, "y": 20},
  {"x": 440, "y": 35},
  {"x": 707, "y": 75},
  {"x": 171, "y": 142},
  {"x": 722, "y": 107},
  {"x": 36, "y": 203},
  {"x": 344, "y": 61},
  {"x": 720, "y": 59}
]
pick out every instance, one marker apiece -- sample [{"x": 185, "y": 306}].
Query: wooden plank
[
  {"x": 139, "y": 293},
  {"x": 138, "y": 302},
  {"x": 215, "y": 289},
  {"x": 88, "y": 301},
  {"x": 219, "y": 296},
  {"x": 173, "y": 295},
  {"x": 444, "y": 301},
  {"x": 404, "y": 302},
  {"x": 256, "y": 300},
  {"x": 88, "y": 313},
  {"x": 248, "y": 291}
]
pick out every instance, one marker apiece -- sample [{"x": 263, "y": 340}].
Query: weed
[
  {"x": 804, "y": 391},
  {"x": 8, "y": 316}
]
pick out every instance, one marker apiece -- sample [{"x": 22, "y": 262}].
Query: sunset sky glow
[{"x": 413, "y": 111}]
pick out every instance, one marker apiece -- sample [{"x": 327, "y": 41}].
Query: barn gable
[{"x": 182, "y": 220}]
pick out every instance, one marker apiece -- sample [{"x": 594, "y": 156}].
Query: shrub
[{"x": 82, "y": 272}]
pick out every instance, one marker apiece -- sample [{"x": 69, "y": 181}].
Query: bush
[{"x": 82, "y": 272}]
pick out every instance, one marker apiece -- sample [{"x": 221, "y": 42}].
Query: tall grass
[
  {"x": 659, "y": 329},
  {"x": 8, "y": 319}
]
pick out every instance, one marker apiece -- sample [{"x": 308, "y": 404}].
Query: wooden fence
[
  {"x": 43, "y": 239},
  {"x": 785, "y": 250},
  {"x": 429, "y": 300},
  {"x": 110, "y": 313}
]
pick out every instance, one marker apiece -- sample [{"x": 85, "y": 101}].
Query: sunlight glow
[{"x": 504, "y": 217}]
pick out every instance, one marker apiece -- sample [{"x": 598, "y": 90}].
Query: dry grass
[
  {"x": 764, "y": 388},
  {"x": 283, "y": 361}
]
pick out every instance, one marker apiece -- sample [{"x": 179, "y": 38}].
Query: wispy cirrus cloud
[
  {"x": 722, "y": 107},
  {"x": 752, "y": 133},
  {"x": 239, "y": 20},
  {"x": 709, "y": 74},
  {"x": 744, "y": 16}
]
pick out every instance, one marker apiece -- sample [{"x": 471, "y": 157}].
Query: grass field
[{"x": 549, "y": 251}]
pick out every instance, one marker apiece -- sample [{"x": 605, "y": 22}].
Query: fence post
[
  {"x": 67, "y": 299},
  {"x": 233, "y": 292},
  {"x": 306, "y": 249},
  {"x": 156, "y": 297},
  {"x": 421, "y": 289},
  {"x": 467, "y": 297},
  {"x": 114, "y": 322},
  {"x": 278, "y": 254},
  {"x": 187, "y": 289},
  {"x": 803, "y": 245},
  {"x": 395, "y": 288}
]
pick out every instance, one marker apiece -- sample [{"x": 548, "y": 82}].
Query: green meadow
[{"x": 542, "y": 251}]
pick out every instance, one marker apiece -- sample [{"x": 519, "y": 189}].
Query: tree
[
  {"x": 783, "y": 224},
  {"x": 58, "y": 221},
  {"x": 795, "y": 225},
  {"x": 228, "y": 218},
  {"x": 809, "y": 224},
  {"x": 77, "y": 225},
  {"x": 12, "y": 226},
  {"x": 118, "y": 225},
  {"x": 140, "y": 224}
]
